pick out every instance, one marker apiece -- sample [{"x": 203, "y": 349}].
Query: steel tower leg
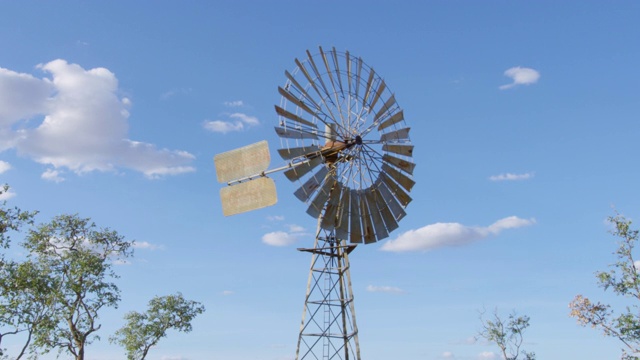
[{"x": 328, "y": 329}]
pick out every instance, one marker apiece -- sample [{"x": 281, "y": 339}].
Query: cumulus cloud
[
  {"x": 236, "y": 122},
  {"x": 385, "y": 289},
  {"x": 283, "y": 238},
  {"x": 520, "y": 76},
  {"x": 146, "y": 245},
  {"x": 171, "y": 93},
  {"x": 511, "y": 177},
  {"x": 77, "y": 120},
  {"x": 275, "y": 218},
  {"x": 4, "y": 166},
  {"x": 450, "y": 234},
  {"x": 447, "y": 355},
  {"x": 227, "y": 292},
  {"x": 52, "y": 175}
]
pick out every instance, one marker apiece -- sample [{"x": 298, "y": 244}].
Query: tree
[
  {"x": 624, "y": 280},
  {"x": 506, "y": 334},
  {"x": 11, "y": 219},
  {"x": 143, "y": 330},
  {"x": 22, "y": 289},
  {"x": 77, "y": 258}
]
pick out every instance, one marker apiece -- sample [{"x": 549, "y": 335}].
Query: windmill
[{"x": 344, "y": 140}]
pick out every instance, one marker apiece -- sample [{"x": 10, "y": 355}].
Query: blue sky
[{"x": 524, "y": 115}]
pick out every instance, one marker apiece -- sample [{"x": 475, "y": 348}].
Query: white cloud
[
  {"x": 450, "y": 234},
  {"x": 146, "y": 245},
  {"x": 236, "y": 103},
  {"x": 84, "y": 126},
  {"x": 4, "y": 166},
  {"x": 227, "y": 292},
  {"x": 236, "y": 122},
  {"x": 295, "y": 228},
  {"x": 275, "y": 218},
  {"x": 447, "y": 355},
  {"x": 385, "y": 289},
  {"x": 487, "y": 355},
  {"x": 279, "y": 238},
  {"x": 52, "y": 175},
  {"x": 511, "y": 177},
  {"x": 6, "y": 195},
  {"x": 121, "y": 262},
  {"x": 521, "y": 76}
]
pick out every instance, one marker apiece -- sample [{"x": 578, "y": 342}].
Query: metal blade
[
  {"x": 329, "y": 70},
  {"x": 247, "y": 196},
  {"x": 399, "y": 163},
  {"x": 315, "y": 209},
  {"x": 245, "y": 161},
  {"x": 311, "y": 185},
  {"x": 291, "y": 116},
  {"x": 399, "y": 177},
  {"x": 378, "y": 223},
  {"x": 367, "y": 88},
  {"x": 348, "y": 58},
  {"x": 395, "y": 135},
  {"x": 300, "y": 170},
  {"x": 389, "y": 220},
  {"x": 315, "y": 70},
  {"x": 381, "y": 88},
  {"x": 295, "y": 134},
  {"x": 355, "y": 219},
  {"x": 329, "y": 220},
  {"x": 301, "y": 89},
  {"x": 291, "y": 153},
  {"x": 390, "y": 200},
  {"x": 397, "y": 117},
  {"x": 289, "y": 96},
  {"x": 388, "y": 105},
  {"x": 342, "y": 227},
  {"x": 368, "y": 231},
  {"x": 406, "y": 150},
  {"x": 358, "y": 73},
  {"x": 397, "y": 190},
  {"x": 336, "y": 63}
]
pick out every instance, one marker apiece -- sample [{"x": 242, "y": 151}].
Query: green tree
[
  {"x": 507, "y": 334},
  {"x": 21, "y": 306},
  {"x": 78, "y": 259},
  {"x": 144, "y": 330},
  {"x": 624, "y": 280},
  {"x": 11, "y": 219}
]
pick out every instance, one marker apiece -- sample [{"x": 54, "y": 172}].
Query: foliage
[
  {"x": 22, "y": 307},
  {"x": 507, "y": 334},
  {"x": 11, "y": 219},
  {"x": 623, "y": 279},
  {"x": 143, "y": 330},
  {"x": 77, "y": 258}
]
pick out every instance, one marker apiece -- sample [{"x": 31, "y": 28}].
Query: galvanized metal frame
[{"x": 328, "y": 328}]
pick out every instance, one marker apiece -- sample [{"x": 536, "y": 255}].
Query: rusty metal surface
[
  {"x": 245, "y": 161},
  {"x": 251, "y": 195}
]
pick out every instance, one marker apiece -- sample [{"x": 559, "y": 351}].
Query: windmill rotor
[{"x": 336, "y": 111}]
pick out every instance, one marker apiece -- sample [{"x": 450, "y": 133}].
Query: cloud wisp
[
  {"x": 77, "y": 120},
  {"x": 440, "y": 235},
  {"x": 520, "y": 76},
  {"x": 4, "y": 166},
  {"x": 511, "y": 177},
  {"x": 385, "y": 289},
  {"x": 236, "y": 122},
  {"x": 284, "y": 238}
]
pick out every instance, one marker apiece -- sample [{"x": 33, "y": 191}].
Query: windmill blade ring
[{"x": 340, "y": 116}]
